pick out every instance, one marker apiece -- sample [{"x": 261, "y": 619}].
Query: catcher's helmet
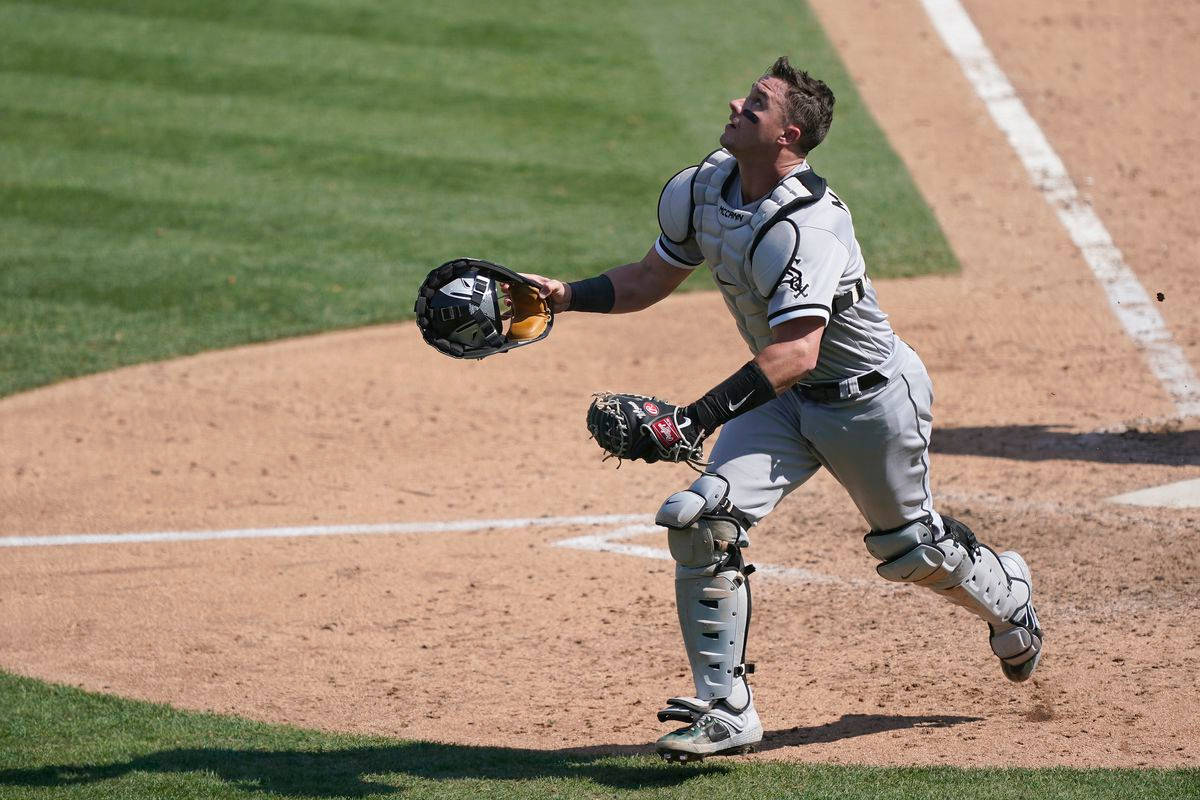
[
  {"x": 461, "y": 309},
  {"x": 467, "y": 311}
]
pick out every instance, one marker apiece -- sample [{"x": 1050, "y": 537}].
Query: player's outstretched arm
[
  {"x": 620, "y": 290},
  {"x": 643, "y": 283}
]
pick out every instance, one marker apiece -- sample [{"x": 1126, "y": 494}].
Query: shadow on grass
[
  {"x": 1044, "y": 442},
  {"x": 363, "y": 771}
]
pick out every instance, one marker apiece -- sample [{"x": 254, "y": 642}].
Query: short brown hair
[{"x": 809, "y": 103}]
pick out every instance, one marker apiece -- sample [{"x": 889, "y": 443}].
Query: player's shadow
[
  {"x": 364, "y": 771},
  {"x": 1044, "y": 442},
  {"x": 851, "y": 725},
  {"x": 381, "y": 770}
]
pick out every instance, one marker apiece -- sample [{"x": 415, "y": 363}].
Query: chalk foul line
[
  {"x": 611, "y": 541},
  {"x": 453, "y": 526},
  {"x": 1128, "y": 299}
]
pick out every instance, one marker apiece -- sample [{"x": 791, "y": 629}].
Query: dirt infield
[{"x": 1044, "y": 410}]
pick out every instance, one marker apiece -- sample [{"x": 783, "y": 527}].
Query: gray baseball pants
[{"x": 876, "y": 445}]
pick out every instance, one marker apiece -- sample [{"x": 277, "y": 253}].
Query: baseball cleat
[
  {"x": 681, "y": 757},
  {"x": 717, "y": 732},
  {"x": 1019, "y": 647}
]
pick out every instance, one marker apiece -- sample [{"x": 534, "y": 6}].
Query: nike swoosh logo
[{"x": 735, "y": 406}]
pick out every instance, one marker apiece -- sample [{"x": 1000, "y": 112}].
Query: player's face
[{"x": 756, "y": 121}]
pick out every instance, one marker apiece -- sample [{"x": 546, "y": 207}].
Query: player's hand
[
  {"x": 645, "y": 429},
  {"x": 557, "y": 293}
]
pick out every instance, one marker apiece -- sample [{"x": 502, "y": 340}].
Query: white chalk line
[
  {"x": 453, "y": 526},
  {"x": 611, "y": 542},
  {"x": 1126, "y": 296}
]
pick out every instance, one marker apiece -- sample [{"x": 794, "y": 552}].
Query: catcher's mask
[{"x": 470, "y": 308}]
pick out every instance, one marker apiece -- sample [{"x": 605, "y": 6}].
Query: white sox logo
[{"x": 793, "y": 278}]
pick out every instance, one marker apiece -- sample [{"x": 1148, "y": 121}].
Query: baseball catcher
[
  {"x": 830, "y": 385},
  {"x": 470, "y": 308}
]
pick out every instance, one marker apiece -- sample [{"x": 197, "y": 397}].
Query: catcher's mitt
[
  {"x": 470, "y": 308},
  {"x": 644, "y": 428}
]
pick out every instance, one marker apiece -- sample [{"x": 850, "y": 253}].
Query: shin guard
[
  {"x": 994, "y": 587},
  {"x": 714, "y": 614}
]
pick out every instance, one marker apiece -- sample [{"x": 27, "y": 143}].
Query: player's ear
[{"x": 791, "y": 134}]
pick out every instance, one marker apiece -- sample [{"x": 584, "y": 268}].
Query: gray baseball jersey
[
  {"x": 777, "y": 269},
  {"x": 788, "y": 255}
]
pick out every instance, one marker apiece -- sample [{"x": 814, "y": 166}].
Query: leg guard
[
  {"x": 714, "y": 614},
  {"x": 705, "y": 535},
  {"x": 1018, "y": 646},
  {"x": 996, "y": 588},
  {"x": 702, "y": 524},
  {"x": 712, "y": 596}
]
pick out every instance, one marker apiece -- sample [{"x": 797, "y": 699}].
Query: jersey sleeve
[
  {"x": 685, "y": 254},
  {"x": 807, "y": 286}
]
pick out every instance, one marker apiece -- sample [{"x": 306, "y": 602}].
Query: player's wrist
[
  {"x": 743, "y": 391},
  {"x": 591, "y": 294}
]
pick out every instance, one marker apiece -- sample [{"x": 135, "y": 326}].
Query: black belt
[
  {"x": 848, "y": 298},
  {"x": 832, "y": 391}
]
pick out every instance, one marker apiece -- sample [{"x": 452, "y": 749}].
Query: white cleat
[{"x": 718, "y": 731}]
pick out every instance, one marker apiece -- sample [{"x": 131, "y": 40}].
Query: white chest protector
[{"x": 747, "y": 253}]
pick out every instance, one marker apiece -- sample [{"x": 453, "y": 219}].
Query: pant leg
[
  {"x": 763, "y": 456},
  {"x": 877, "y": 447}
]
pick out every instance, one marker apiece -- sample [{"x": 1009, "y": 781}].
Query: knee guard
[
  {"x": 702, "y": 525},
  {"x": 705, "y": 533},
  {"x": 914, "y": 554},
  {"x": 954, "y": 565}
]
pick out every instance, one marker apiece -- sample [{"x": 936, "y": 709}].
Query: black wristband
[
  {"x": 593, "y": 294},
  {"x": 743, "y": 390}
]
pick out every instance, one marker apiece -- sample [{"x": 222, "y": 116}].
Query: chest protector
[{"x": 728, "y": 237}]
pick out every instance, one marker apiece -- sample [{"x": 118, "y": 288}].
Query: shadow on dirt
[
  {"x": 851, "y": 725},
  {"x": 363, "y": 771},
  {"x": 1044, "y": 442}
]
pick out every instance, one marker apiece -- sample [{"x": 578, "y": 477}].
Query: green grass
[
  {"x": 58, "y": 742},
  {"x": 187, "y": 176}
]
